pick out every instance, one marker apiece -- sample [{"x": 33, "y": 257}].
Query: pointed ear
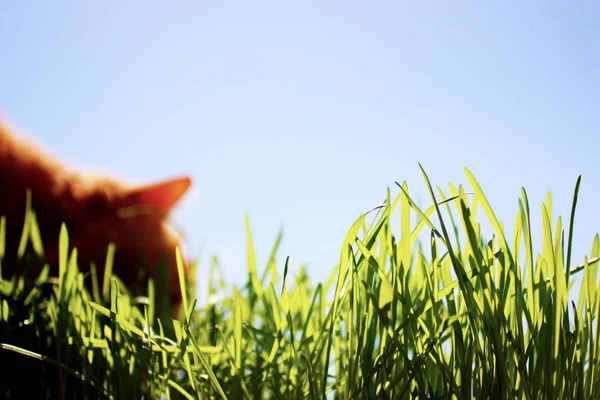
[{"x": 160, "y": 196}]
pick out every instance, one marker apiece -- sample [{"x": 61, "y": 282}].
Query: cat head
[
  {"x": 98, "y": 209},
  {"x": 136, "y": 219}
]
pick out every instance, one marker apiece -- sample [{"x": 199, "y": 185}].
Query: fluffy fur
[{"x": 97, "y": 210}]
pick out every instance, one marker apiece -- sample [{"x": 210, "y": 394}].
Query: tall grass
[{"x": 455, "y": 315}]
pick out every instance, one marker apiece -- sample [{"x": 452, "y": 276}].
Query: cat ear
[{"x": 160, "y": 196}]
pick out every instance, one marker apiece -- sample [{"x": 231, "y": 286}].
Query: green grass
[{"x": 419, "y": 306}]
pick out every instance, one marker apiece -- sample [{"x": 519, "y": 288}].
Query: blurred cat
[{"x": 97, "y": 209}]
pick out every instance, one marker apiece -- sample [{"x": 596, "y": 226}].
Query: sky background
[{"x": 302, "y": 114}]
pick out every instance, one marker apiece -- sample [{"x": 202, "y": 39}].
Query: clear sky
[{"x": 302, "y": 113}]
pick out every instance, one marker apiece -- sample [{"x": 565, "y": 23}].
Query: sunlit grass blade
[{"x": 571, "y": 224}]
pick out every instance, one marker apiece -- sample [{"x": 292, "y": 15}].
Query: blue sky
[{"x": 303, "y": 113}]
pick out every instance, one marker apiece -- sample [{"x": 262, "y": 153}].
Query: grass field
[{"x": 420, "y": 306}]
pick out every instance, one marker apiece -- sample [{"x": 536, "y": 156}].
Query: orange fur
[{"x": 97, "y": 210}]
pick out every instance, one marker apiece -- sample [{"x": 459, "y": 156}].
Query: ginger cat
[{"x": 97, "y": 210}]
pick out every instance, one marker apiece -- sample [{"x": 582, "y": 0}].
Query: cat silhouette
[{"x": 96, "y": 208}]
